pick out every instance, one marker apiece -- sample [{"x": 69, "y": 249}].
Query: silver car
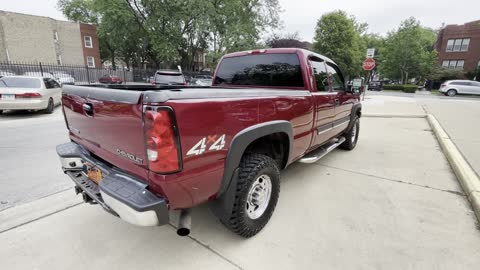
[
  {"x": 29, "y": 93},
  {"x": 451, "y": 88}
]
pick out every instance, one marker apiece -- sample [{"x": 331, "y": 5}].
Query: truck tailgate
[{"x": 108, "y": 122}]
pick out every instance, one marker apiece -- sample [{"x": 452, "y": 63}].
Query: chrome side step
[{"x": 322, "y": 151}]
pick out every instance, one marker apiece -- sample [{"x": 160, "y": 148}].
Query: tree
[
  {"x": 337, "y": 36},
  {"x": 119, "y": 35},
  {"x": 409, "y": 52},
  {"x": 290, "y": 40}
]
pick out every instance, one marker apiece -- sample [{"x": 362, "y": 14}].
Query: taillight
[
  {"x": 163, "y": 149},
  {"x": 28, "y": 95},
  {"x": 443, "y": 85}
]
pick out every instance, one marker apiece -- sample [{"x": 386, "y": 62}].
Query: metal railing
[{"x": 81, "y": 74}]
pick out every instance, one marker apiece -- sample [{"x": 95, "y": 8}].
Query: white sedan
[{"x": 29, "y": 93}]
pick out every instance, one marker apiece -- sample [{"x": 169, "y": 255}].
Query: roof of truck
[{"x": 304, "y": 52}]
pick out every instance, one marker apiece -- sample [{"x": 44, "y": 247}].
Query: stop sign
[{"x": 368, "y": 64}]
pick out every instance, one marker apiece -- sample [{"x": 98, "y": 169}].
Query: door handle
[
  {"x": 337, "y": 102},
  {"x": 88, "y": 108}
]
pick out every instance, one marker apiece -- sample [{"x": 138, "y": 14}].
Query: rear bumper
[
  {"x": 118, "y": 193},
  {"x": 24, "y": 104}
]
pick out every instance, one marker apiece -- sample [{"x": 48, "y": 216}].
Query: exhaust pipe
[{"x": 184, "y": 222}]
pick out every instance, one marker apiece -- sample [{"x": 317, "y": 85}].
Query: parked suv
[
  {"x": 452, "y": 88},
  {"x": 141, "y": 151},
  {"x": 169, "y": 77}
]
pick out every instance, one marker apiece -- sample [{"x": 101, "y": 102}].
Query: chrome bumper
[{"x": 118, "y": 193}]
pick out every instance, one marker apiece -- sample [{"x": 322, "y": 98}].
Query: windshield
[
  {"x": 11, "y": 82},
  {"x": 169, "y": 78},
  {"x": 261, "y": 70}
]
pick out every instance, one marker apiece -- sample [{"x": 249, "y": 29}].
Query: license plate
[
  {"x": 8, "y": 97},
  {"x": 94, "y": 173}
]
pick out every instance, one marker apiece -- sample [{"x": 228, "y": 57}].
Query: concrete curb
[
  {"x": 393, "y": 115},
  {"x": 467, "y": 177},
  {"x": 16, "y": 216}
]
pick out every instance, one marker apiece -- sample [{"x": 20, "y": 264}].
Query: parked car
[
  {"x": 201, "y": 82},
  {"x": 110, "y": 79},
  {"x": 6, "y": 73},
  {"x": 29, "y": 93},
  {"x": 375, "y": 85},
  {"x": 452, "y": 88},
  {"x": 169, "y": 77},
  {"x": 64, "y": 78},
  {"x": 225, "y": 144}
]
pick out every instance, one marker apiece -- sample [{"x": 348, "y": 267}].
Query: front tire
[
  {"x": 451, "y": 92},
  {"x": 50, "y": 108},
  {"x": 256, "y": 196},
  {"x": 351, "y": 136}
]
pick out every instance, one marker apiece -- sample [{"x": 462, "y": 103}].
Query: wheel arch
[{"x": 238, "y": 146}]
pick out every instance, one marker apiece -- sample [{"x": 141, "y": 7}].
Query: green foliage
[
  {"x": 166, "y": 33},
  {"x": 337, "y": 36},
  {"x": 442, "y": 74},
  {"x": 408, "y": 52},
  {"x": 407, "y": 88}
]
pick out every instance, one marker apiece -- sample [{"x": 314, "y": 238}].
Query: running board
[{"x": 322, "y": 151}]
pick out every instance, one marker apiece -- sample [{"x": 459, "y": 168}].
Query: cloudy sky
[{"x": 302, "y": 15}]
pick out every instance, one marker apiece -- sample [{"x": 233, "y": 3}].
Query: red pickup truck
[{"x": 142, "y": 151}]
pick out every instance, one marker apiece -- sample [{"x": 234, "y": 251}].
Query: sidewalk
[{"x": 392, "y": 203}]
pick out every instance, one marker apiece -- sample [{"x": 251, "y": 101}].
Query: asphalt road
[{"x": 29, "y": 166}]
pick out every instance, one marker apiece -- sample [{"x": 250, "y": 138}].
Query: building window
[
  {"x": 59, "y": 60},
  {"x": 55, "y": 36},
  {"x": 458, "y": 45},
  {"x": 88, "y": 41},
  {"x": 90, "y": 61},
  {"x": 453, "y": 64},
  {"x": 460, "y": 64}
]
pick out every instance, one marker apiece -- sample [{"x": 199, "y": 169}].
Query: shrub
[
  {"x": 410, "y": 88},
  {"x": 394, "y": 87},
  {"x": 407, "y": 88}
]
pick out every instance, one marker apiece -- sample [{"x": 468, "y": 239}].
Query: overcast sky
[{"x": 302, "y": 15}]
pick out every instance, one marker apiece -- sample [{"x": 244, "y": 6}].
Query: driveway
[{"x": 392, "y": 203}]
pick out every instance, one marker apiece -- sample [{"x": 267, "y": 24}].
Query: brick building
[
  {"x": 29, "y": 38},
  {"x": 458, "y": 46}
]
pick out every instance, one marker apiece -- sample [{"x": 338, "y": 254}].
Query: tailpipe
[{"x": 184, "y": 223}]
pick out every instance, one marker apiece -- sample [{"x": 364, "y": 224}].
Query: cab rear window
[{"x": 260, "y": 70}]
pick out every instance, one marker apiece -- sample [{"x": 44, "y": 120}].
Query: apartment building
[
  {"x": 28, "y": 38},
  {"x": 458, "y": 46}
]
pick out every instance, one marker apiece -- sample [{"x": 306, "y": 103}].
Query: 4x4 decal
[{"x": 200, "y": 147}]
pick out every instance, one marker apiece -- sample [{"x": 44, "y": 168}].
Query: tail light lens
[
  {"x": 28, "y": 95},
  {"x": 161, "y": 139},
  {"x": 443, "y": 85}
]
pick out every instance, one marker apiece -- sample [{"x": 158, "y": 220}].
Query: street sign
[
  {"x": 370, "y": 52},
  {"x": 368, "y": 64}
]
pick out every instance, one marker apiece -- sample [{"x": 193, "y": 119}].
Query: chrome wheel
[{"x": 259, "y": 197}]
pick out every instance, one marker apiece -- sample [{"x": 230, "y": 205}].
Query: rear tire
[
  {"x": 451, "y": 92},
  {"x": 1, "y": 111},
  {"x": 50, "y": 108},
  {"x": 351, "y": 136},
  {"x": 257, "y": 193}
]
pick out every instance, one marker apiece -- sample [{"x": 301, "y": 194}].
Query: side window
[
  {"x": 56, "y": 84},
  {"x": 48, "y": 83},
  {"x": 320, "y": 73},
  {"x": 336, "y": 77}
]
